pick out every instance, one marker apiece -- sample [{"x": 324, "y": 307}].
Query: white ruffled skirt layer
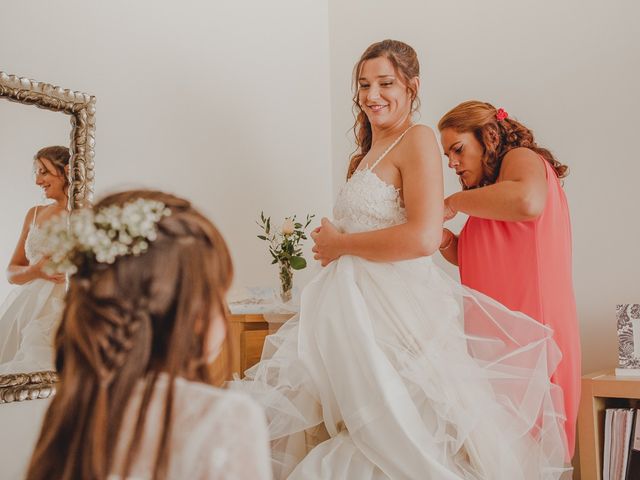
[
  {"x": 396, "y": 371},
  {"x": 29, "y": 318}
]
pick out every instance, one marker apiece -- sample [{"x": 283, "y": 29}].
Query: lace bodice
[
  {"x": 366, "y": 202},
  {"x": 34, "y": 244}
]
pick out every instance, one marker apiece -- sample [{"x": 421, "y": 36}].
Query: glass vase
[{"x": 286, "y": 281}]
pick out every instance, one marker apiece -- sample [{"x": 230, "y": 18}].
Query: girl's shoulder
[{"x": 216, "y": 401}]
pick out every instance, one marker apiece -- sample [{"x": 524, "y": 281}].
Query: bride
[
  {"x": 393, "y": 370},
  {"x": 30, "y": 314}
]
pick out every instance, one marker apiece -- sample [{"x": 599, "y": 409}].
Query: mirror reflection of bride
[{"x": 29, "y": 316}]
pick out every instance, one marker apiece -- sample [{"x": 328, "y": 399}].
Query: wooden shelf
[{"x": 601, "y": 390}]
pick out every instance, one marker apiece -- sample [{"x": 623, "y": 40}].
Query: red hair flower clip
[{"x": 501, "y": 114}]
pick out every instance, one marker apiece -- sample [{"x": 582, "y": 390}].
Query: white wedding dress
[
  {"x": 29, "y": 316},
  {"x": 395, "y": 371}
]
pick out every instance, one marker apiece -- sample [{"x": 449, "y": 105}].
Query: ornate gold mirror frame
[{"x": 81, "y": 109}]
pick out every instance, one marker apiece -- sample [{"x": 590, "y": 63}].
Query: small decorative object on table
[
  {"x": 628, "y": 316},
  {"x": 285, "y": 248}
]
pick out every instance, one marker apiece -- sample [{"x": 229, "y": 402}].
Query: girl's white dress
[{"x": 216, "y": 434}]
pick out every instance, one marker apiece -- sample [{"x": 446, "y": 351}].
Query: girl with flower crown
[
  {"x": 516, "y": 244},
  {"x": 145, "y": 317},
  {"x": 31, "y": 312}
]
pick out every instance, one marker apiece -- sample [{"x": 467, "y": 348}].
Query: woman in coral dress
[{"x": 516, "y": 244}]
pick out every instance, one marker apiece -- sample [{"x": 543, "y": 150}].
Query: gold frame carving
[{"x": 81, "y": 108}]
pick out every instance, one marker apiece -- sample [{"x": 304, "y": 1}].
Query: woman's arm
[
  {"x": 19, "y": 271},
  {"x": 422, "y": 186},
  {"x": 449, "y": 246},
  {"x": 518, "y": 195}
]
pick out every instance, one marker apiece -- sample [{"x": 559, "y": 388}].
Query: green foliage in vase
[{"x": 285, "y": 243}]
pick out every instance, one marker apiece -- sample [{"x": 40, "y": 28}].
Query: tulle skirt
[
  {"x": 29, "y": 318},
  {"x": 396, "y": 371}
]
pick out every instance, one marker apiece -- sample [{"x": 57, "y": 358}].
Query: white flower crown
[{"x": 111, "y": 232}]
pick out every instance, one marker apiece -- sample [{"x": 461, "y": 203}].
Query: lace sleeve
[
  {"x": 246, "y": 453},
  {"x": 216, "y": 434}
]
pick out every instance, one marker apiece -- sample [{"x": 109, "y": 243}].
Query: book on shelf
[
  {"x": 606, "y": 457},
  {"x": 633, "y": 469},
  {"x": 626, "y": 428},
  {"x": 628, "y": 319},
  {"x": 618, "y": 433},
  {"x": 621, "y": 459}
]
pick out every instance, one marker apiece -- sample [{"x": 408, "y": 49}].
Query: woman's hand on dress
[
  {"x": 37, "y": 270},
  {"x": 449, "y": 211},
  {"x": 328, "y": 242}
]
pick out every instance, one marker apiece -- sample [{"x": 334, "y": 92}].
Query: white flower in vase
[{"x": 285, "y": 249}]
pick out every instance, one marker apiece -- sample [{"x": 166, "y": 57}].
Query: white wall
[
  {"x": 224, "y": 102},
  {"x": 568, "y": 70},
  {"x": 229, "y": 104}
]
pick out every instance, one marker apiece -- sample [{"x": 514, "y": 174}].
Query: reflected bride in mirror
[{"x": 30, "y": 314}]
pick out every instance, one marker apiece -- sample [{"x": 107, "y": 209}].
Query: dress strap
[
  {"x": 35, "y": 214},
  {"x": 397, "y": 140}
]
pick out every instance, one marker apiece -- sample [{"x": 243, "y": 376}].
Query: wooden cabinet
[
  {"x": 601, "y": 390},
  {"x": 246, "y": 338}
]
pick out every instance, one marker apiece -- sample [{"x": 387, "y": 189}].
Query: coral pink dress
[{"x": 526, "y": 266}]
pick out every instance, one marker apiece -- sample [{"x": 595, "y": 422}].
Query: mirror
[{"x": 30, "y": 309}]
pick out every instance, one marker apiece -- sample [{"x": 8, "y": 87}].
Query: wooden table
[
  {"x": 246, "y": 338},
  {"x": 601, "y": 390}
]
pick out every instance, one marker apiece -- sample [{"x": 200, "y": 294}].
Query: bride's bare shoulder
[
  {"x": 28, "y": 218},
  {"x": 419, "y": 145},
  {"x": 419, "y": 138}
]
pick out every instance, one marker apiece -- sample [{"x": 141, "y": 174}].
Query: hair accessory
[
  {"x": 103, "y": 236},
  {"x": 501, "y": 115}
]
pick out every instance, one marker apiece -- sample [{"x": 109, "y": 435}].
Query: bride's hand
[
  {"x": 328, "y": 242},
  {"x": 38, "y": 272},
  {"x": 449, "y": 211}
]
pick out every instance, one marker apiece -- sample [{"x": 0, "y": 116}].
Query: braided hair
[{"x": 125, "y": 323}]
